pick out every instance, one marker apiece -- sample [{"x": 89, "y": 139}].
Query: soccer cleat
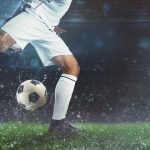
[{"x": 63, "y": 129}]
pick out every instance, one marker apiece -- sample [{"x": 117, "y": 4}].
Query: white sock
[{"x": 63, "y": 94}]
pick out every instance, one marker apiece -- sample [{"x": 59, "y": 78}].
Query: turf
[{"x": 34, "y": 136}]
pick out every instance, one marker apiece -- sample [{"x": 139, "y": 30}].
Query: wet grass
[{"x": 34, "y": 136}]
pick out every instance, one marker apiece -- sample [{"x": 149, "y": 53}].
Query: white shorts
[{"x": 29, "y": 28}]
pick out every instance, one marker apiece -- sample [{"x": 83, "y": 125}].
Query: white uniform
[
  {"x": 51, "y": 12},
  {"x": 36, "y": 26}
]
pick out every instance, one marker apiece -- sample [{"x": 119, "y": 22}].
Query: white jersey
[{"x": 51, "y": 12}]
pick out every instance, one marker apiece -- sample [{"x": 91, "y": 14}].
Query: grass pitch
[{"x": 34, "y": 136}]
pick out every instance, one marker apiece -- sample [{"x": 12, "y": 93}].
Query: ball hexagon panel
[
  {"x": 22, "y": 106},
  {"x": 45, "y": 93},
  {"x": 20, "y": 89},
  {"x": 35, "y": 82},
  {"x": 33, "y": 97}
]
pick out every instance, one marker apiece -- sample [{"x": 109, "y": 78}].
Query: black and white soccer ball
[{"x": 31, "y": 94}]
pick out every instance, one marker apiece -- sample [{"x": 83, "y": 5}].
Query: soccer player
[{"x": 36, "y": 25}]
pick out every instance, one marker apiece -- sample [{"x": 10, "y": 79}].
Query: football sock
[{"x": 63, "y": 94}]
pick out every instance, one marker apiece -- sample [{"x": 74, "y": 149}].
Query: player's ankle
[{"x": 55, "y": 123}]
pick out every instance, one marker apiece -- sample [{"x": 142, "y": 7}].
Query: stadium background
[{"x": 111, "y": 40}]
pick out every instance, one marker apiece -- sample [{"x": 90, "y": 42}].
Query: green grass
[{"x": 34, "y": 136}]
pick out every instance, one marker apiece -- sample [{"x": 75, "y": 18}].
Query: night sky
[{"x": 111, "y": 41}]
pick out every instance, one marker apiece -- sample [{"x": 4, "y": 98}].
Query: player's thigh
[
  {"x": 6, "y": 41},
  {"x": 53, "y": 49}
]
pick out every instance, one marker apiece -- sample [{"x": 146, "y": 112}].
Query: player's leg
[
  {"x": 63, "y": 94},
  {"x": 6, "y": 41},
  {"x": 65, "y": 85},
  {"x": 53, "y": 49}
]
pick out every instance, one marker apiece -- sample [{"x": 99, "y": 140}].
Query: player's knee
[
  {"x": 76, "y": 69},
  {"x": 2, "y": 41},
  {"x": 73, "y": 69},
  {"x": 5, "y": 41}
]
